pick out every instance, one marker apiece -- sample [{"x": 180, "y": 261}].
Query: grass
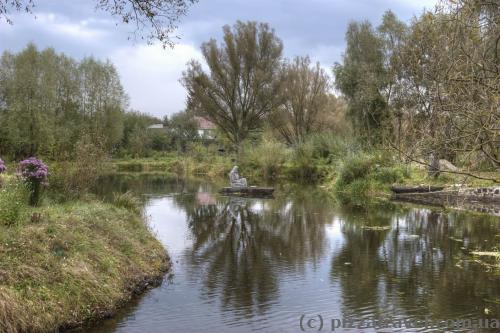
[
  {"x": 347, "y": 170},
  {"x": 66, "y": 264},
  {"x": 367, "y": 174}
]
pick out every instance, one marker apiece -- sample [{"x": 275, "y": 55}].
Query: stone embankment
[{"x": 484, "y": 199}]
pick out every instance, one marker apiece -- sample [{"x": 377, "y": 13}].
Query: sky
[{"x": 150, "y": 74}]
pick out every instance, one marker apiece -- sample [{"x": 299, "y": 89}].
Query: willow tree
[
  {"x": 243, "y": 82},
  {"x": 306, "y": 90}
]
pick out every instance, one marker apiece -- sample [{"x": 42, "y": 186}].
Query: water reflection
[
  {"x": 248, "y": 264},
  {"x": 240, "y": 246},
  {"x": 418, "y": 268}
]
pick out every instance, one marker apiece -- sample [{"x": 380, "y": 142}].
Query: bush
[
  {"x": 3, "y": 168},
  {"x": 330, "y": 146},
  {"x": 354, "y": 168},
  {"x": 390, "y": 175},
  {"x": 359, "y": 174},
  {"x": 128, "y": 201},
  {"x": 268, "y": 157},
  {"x": 13, "y": 197},
  {"x": 72, "y": 180},
  {"x": 34, "y": 174},
  {"x": 303, "y": 164}
]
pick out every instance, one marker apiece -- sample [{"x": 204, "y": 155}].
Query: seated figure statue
[{"x": 235, "y": 180}]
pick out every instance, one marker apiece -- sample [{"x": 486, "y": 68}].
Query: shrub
[
  {"x": 128, "y": 201},
  {"x": 354, "y": 168},
  {"x": 72, "y": 180},
  {"x": 12, "y": 202},
  {"x": 303, "y": 164},
  {"x": 269, "y": 157},
  {"x": 330, "y": 146},
  {"x": 365, "y": 172},
  {"x": 390, "y": 175},
  {"x": 34, "y": 173},
  {"x": 3, "y": 168}
]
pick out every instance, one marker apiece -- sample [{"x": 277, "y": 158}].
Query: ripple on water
[{"x": 249, "y": 265}]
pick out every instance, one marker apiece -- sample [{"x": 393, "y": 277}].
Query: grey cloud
[{"x": 307, "y": 27}]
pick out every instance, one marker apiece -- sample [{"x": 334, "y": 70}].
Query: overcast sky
[{"x": 151, "y": 74}]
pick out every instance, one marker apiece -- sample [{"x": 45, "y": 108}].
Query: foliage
[
  {"x": 3, "y": 167},
  {"x": 306, "y": 100},
  {"x": 451, "y": 67},
  {"x": 34, "y": 174},
  {"x": 268, "y": 158},
  {"x": 362, "y": 79},
  {"x": 366, "y": 173},
  {"x": 303, "y": 164},
  {"x": 128, "y": 201},
  {"x": 430, "y": 88},
  {"x": 182, "y": 130},
  {"x": 48, "y": 101},
  {"x": 244, "y": 79},
  {"x": 136, "y": 137},
  {"x": 12, "y": 202},
  {"x": 331, "y": 147},
  {"x": 74, "y": 179}
]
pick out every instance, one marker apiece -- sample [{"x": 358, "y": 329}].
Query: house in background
[
  {"x": 156, "y": 127},
  {"x": 206, "y": 129}
]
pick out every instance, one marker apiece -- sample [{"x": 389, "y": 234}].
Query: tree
[
  {"x": 393, "y": 33},
  {"x": 452, "y": 70},
  {"x": 182, "y": 129},
  {"x": 48, "y": 101},
  {"x": 306, "y": 98},
  {"x": 135, "y": 129},
  {"x": 244, "y": 80},
  {"x": 153, "y": 19},
  {"x": 28, "y": 111},
  {"x": 362, "y": 80}
]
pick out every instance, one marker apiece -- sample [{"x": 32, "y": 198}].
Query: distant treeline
[
  {"x": 425, "y": 90},
  {"x": 49, "y": 101}
]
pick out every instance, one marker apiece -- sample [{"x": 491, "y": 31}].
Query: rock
[{"x": 447, "y": 166}]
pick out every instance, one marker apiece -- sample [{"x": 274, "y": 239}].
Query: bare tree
[
  {"x": 153, "y": 19},
  {"x": 244, "y": 80},
  {"x": 452, "y": 69}
]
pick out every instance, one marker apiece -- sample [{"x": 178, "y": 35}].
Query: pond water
[{"x": 300, "y": 260}]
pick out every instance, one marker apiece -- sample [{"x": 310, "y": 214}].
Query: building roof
[
  {"x": 156, "y": 126},
  {"x": 204, "y": 124}
]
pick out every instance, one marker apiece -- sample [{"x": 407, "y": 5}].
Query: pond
[{"x": 300, "y": 261}]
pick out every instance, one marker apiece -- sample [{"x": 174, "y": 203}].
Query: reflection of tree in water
[
  {"x": 411, "y": 269},
  {"x": 357, "y": 265},
  {"x": 143, "y": 184},
  {"x": 243, "y": 246}
]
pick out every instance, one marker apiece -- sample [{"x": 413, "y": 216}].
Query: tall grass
[
  {"x": 367, "y": 173},
  {"x": 77, "y": 263},
  {"x": 266, "y": 159},
  {"x": 13, "y": 202}
]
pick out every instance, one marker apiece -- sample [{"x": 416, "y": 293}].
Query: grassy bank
[
  {"x": 64, "y": 264},
  {"x": 346, "y": 170}
]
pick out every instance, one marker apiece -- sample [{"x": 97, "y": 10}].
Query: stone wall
[{"x": 484, "y": 199}]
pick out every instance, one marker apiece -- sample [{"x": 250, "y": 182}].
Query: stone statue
[{"x": 235, "y": 180}]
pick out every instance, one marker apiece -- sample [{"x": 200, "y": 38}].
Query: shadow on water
[{"x": 249, "y": 264}]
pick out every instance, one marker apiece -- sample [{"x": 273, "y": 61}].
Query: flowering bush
[
  {"x": 34, "y": 173},
  {"x": 3, "y": 168}
]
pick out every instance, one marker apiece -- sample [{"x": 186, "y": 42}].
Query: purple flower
[
  {"x": 3, "y": 168},
  {"x": 33, "y": 170}
]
